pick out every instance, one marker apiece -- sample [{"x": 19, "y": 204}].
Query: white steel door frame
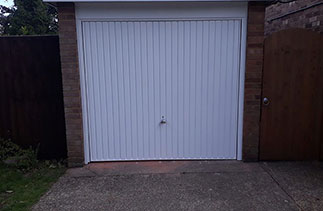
[{"x": 225, "y": 14}]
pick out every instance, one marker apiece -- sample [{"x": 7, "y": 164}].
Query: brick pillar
[
  {"x": 71, "y": 83},
  {"x": 253, "y": 80}
]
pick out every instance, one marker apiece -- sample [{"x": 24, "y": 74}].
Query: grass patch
[{"x": 19, "y": 190}]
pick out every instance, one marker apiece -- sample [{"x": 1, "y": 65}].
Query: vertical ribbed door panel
[{"x": 183, "y": 72}]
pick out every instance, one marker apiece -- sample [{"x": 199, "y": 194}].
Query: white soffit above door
[{"x": 171, "y": 10}]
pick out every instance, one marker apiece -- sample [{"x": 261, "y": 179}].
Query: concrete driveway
[{"x": 188, "y": 185}]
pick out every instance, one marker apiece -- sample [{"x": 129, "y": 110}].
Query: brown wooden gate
[{"x": 291, "y": 121}]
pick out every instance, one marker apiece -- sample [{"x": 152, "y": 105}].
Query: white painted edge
[
  {"x": 241, "y": 89},
  {"x": 155, "y": 19},
  {"x": 242, "y": 86},
  {"x": 86, "y": 140}
]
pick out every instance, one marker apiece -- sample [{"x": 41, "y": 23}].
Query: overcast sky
[{"x": 7, "y": 3}]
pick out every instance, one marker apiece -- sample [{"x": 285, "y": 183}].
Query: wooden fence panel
[{"x": 31, "y": 97}]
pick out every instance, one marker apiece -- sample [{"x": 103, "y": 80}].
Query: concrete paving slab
[
  {"x": 164, "y": 167},
  {"x": 190, "y": 191},
  {"x": 186, "y": 185},
  {"x": 303, "y": 181}
]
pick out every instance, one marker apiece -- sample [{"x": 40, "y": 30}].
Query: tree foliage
[{"x": 28, "y": 17}]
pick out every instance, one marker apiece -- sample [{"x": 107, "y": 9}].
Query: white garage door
[{"x": 162, "y": 89}]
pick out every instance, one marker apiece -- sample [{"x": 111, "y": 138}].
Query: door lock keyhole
[{"x": 163, "y": 120}]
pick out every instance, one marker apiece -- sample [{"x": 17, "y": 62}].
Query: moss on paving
[{"x": 19, "y": 190}]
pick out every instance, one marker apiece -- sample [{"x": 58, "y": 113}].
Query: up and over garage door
[{"x": 158, "y": 88}]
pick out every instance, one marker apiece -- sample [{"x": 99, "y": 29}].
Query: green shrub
[
  {"x": 8, "y": 149},
  {"x": 23, "y": 159},
  {"x": 27, "y": 160}
]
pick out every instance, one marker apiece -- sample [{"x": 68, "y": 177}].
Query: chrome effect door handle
[{"x": 163, "y": 121}]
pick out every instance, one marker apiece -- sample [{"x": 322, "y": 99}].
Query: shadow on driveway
[{"x": 188, "y": 185}]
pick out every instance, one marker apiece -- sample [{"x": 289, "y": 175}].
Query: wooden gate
[{"x": 291, "y": 121}]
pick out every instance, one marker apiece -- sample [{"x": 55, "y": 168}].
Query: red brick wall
[
  {"x": 71, "y": 83},
  {"x": 253, "y": 81},
  {"x": 311, "y": 18}
]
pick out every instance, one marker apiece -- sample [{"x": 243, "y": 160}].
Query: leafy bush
[
  {"x": 8, "y": 149},
  {"x": 23, "y": 159},
  {"x": 27, "y": 160}
]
